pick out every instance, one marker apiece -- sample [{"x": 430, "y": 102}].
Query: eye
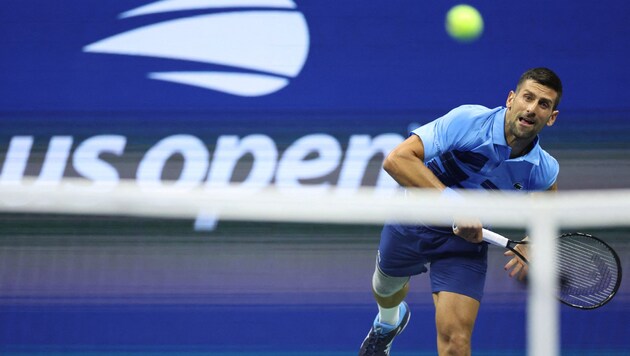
[{"x": 544, "y": 105}]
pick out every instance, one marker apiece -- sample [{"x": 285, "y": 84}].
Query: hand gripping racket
[{"x": 589, "y": 269}]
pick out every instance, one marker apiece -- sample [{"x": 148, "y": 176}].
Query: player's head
[
  {"x": 532, "y": 105},
  {"x": 546, "y": 77}
]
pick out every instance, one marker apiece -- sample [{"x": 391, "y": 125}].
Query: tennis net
[{"x": 76, "y": 252}]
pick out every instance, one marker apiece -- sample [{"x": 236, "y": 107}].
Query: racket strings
[
  {"x": 594, "y": 270},
  {"x": 588, "y": 271}
]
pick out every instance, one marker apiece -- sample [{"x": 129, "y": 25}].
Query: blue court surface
[{"x": 274, "y": 330}]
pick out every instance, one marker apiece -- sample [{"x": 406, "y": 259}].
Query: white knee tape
[{"x": 386, "y": 286}]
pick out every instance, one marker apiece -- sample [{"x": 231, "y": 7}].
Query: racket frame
[
  {"x": 619, "y": 272},
  {"x": 493, "y": 238}
]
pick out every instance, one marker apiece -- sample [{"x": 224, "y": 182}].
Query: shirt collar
[{"x": 498, "y": 138}]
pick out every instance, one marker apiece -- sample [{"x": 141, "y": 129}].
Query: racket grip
[{"x": 494, "y": 238}]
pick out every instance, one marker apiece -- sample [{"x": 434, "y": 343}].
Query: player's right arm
[{"x": 406, "y": 165}]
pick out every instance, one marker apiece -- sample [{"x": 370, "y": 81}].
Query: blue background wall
[
  {"x": 373, "y": 68},
  {"x": 365, "y": 56}
]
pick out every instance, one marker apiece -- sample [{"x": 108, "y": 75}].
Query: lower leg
[
  {"x": 393, "y": 300},
  {"x": 389, "y": 293},
  {"x": 389, "y": 307},
  {"x": 393, "y": 316}
]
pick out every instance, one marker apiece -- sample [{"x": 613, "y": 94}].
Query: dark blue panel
[{"x": 361, "y": 56}]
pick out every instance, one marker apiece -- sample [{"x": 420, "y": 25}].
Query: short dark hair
[{"x": 546, "y": 77}]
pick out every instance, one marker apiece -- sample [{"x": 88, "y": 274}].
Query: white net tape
[{"x": 364, "y": 205}]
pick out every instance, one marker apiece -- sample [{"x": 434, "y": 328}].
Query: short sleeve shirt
[{"x": 466, "y": 148}]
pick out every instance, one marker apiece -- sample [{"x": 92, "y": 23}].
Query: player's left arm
[{"x": 516, "y": 266}]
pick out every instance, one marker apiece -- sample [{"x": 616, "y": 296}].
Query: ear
[
  {"x": 510, "y": 99},
  {"x": 552, "y": 118}
]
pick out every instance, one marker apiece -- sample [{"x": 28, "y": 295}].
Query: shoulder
[
  {"x": 470, "y": 116},
  {"x": 547, "y": 170},
  {"x": 472, "y": 108},
  {"x": 460, "y": 128},
  {"x": 471, "y": 112},
  {"x": 466, "y": 117},
  {"x": 548, "y": 161}
]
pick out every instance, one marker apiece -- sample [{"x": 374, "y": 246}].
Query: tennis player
[{"x": 471, "y": 147}]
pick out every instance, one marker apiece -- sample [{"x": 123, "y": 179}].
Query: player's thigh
[
  {"x": 462, "y": 274},
  {"x": 455, "y": 313},
  {"x": 400, "y": 253}
]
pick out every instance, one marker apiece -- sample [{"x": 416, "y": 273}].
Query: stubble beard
[{"x": 518, "y": 133}]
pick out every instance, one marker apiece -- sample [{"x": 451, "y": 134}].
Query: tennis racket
[{"x": 589, "y": 269}]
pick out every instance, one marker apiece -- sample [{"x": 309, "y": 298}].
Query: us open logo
[{"x": 259, "y": 45}]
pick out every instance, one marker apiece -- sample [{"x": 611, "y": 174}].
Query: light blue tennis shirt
[{"x": 466, "y": 148}]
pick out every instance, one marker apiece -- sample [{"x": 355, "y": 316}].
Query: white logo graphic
[{"x": 265, "y": 47}]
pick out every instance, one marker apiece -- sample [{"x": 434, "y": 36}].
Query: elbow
[
  {"x": 387, "y": 163},
  {"x": 390, "y": 163}
]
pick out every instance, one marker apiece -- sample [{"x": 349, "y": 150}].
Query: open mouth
[{"x": 526, "y": 121}]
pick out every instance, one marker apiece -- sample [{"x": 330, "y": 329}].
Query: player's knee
[
  {"x": 386, "y": 286},
  {"x": 457, "y": 347},
  {"x": 458, "y": 342},
  {"x": 455, "y": 340}
]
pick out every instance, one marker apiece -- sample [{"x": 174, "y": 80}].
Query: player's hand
[
  {"x": 469, "y": 229},
  {"x": 516, "y": 266}
]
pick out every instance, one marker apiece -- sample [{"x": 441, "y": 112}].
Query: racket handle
[{"x": 494, "y": 238}]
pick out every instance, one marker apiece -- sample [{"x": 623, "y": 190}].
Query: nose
[{"x": 530, "y": 108}]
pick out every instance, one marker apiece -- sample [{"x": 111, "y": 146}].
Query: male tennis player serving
[{"x": 471, "y": 147}]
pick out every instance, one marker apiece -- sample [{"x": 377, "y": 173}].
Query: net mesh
[{"x": 123, "y": 269}]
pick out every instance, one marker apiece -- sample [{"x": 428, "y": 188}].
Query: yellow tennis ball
[{"x": 464, "y": 23}]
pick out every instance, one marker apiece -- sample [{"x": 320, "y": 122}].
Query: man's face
[{"x": 529, "y": 109}]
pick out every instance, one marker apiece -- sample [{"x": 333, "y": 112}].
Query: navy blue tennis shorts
[{"x": 455, "y": 264}]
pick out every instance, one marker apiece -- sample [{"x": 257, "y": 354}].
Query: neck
[{"x": 519, "y": 147}]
